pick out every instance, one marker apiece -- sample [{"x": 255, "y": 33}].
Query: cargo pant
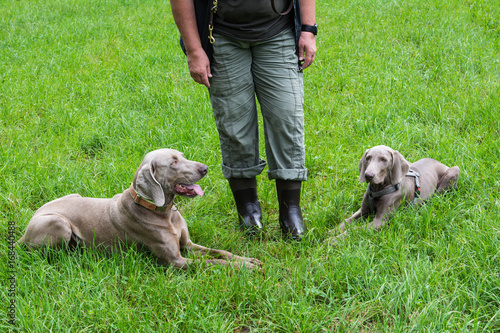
[{"x": 267, "y": 70}]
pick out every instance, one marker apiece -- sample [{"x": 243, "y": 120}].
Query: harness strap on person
[
  {"x": 213, "y": 10},
  {"x": 286, "y": 11}
]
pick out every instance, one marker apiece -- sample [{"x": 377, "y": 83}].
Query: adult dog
[
  {"x": 143, "y": 214},
  {"x": 393, "y": 180}
]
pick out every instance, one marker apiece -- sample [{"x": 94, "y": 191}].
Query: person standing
[{"x": 259, "y": 51}]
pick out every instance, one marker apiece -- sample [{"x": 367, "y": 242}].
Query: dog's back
[
  {"x": 434, "y": 176},
  {"x": 73, "y": 215}
]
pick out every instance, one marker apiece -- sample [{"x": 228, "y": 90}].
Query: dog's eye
[
  {"x": 174, "y": 162},
  {"x": 368, "y": 158},
  {"x": 383, "y": 159}
]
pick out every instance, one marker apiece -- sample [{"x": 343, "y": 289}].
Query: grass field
[{"x": 87, "y": 88}]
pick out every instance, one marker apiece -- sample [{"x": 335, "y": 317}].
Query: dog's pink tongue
[{"x": 196, "y": 188}]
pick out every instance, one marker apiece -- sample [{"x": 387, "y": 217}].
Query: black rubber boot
[
  {"x": 247, "y": 203},
  {"x": 290, "y": 215}
]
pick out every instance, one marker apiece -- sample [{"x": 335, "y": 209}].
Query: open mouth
[{"x": 189, "y": 191}]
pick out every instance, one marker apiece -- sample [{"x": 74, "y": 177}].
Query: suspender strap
[{"x": 290, "y": 6}]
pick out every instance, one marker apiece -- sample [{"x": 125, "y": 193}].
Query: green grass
[{"x": 87, "y": 88}]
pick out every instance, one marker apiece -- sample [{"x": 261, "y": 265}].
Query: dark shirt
[{"x": 251, "y": 20}]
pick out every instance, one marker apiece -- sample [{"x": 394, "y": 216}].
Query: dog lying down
[
  {"x": 393, "y": 180},
  {"x": 142, "y": 214}
]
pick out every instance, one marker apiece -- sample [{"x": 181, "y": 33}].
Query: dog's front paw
[
  {"x": 343, "y": 224},
  {"x": 335, "y": 239},
  {"x": 249, "y": 264},
  {"x": 255, "y": 262},
  {"x": 243, "y": 262}
]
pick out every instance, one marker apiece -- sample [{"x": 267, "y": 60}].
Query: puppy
[{"x": 393, "y": 180}]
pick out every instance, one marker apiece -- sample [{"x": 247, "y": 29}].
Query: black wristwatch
[{"x": 310, "y": 28}]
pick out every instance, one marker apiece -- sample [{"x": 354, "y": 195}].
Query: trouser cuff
[
  {"x": 249, "y": 172},
  {"x": 288, "y": 174}
]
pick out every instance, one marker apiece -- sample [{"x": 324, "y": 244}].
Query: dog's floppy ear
[
  {"x": 362, "y": 167},
  {"x": 146, "y": 184},
  {"x": 400, "y": 167}
]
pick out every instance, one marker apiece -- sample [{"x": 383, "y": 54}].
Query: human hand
[
  {"x": 307, "y": 48},
  {"x": 199, "y": 67}
]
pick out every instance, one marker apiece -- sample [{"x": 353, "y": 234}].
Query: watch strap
[{"x": 310, "y": 28}]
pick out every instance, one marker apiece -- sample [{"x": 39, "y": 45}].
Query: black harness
[{"x": 375, "y": 195}]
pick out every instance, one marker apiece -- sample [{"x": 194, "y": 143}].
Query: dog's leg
[
  {"x": 384, "y": 211},
  {"x": 168, "y": 253},
  {"x": 171, "y": 256},
  {"x": 377, "y": 223},
  {"x": 51, "y": 229},
  {"x": 185, "y": 263},
  {"x": 226, "y": 256},
  {"x": 448, "y": 180},
  {"x": 354, "y": 216},
  {"x": 334, "y": 238}
]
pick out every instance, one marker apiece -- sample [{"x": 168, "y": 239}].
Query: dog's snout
[
  {"x": 203, "y": 169},
  {"x": 369, "y": 175}
]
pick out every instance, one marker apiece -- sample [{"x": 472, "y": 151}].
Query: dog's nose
[
  {"x": 369, "y": 176},
  {"x": 203, "y": 169}
]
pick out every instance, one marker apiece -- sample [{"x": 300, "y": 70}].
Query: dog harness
[
  {"x": 147, "y": 204},
  {"x": 416, "y": 175},
  {"x": 375, "y": 195}
]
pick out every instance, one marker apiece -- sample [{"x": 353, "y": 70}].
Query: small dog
[
  {"x": 143, "y": 214},
  {"x": 392, "y": 180}
]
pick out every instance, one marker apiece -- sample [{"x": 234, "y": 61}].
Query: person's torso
[{"x": 251, "y": 20}]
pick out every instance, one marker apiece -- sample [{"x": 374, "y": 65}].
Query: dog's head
[
  {"x": 165, "y": 173},
  {"x": 382, "y": 165}
]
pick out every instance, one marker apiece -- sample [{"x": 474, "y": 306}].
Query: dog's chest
[{"x": 178, "y": 223}]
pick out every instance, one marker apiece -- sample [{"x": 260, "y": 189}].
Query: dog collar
[
  {"x": 374, "y": 195},
  {"x": 147, "y": 204},
  {"x": 385, "y": 191}
]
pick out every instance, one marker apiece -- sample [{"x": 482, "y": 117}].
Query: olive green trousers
[{"x": 267, "y": 70}]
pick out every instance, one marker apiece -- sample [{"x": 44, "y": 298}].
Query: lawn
[{"x": 87, "y": 88}]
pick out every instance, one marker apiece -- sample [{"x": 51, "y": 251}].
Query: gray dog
[
  {"x": 143, "y": 214},
  {"x": 393, "y": 180}
]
